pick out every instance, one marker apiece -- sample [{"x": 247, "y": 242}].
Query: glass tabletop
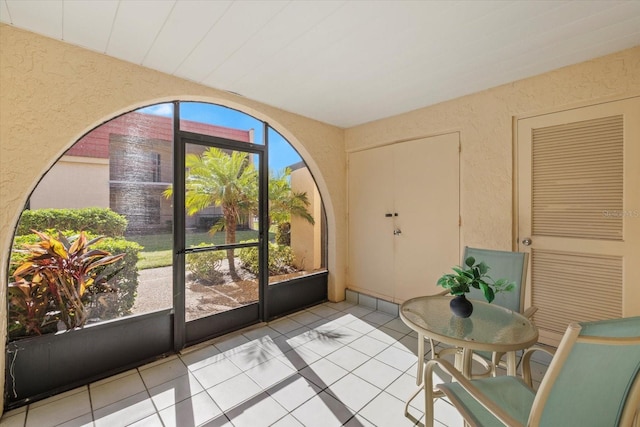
[{"x": 490, "y": 327}]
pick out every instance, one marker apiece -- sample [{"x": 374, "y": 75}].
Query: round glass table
[{"x": 489, "y": 328}]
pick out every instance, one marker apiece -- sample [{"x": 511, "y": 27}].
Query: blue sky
[{"x": 281, "y": 153}]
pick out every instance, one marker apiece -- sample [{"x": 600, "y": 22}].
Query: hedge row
[{"x": 98, "y": 221}]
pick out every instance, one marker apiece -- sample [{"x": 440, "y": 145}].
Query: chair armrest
[
  {"x": 526, "y": 361},
  {"x": 498, "y": 412},
  {"x": 529, "y": 312}
]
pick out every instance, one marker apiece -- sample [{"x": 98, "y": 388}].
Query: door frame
[
  {"x": 198, "y": 330},
  {"x": 629, "y": 152}
]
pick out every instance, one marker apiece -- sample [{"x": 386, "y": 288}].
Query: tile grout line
[{"x": 396, "y": 338}]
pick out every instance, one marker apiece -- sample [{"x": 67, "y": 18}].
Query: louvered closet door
[{"x": 579, "y": 205}]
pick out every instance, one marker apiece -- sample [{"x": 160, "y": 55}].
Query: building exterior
[
  {"x": 121, "y": 162},
  {"x": 306, "y": 239}
]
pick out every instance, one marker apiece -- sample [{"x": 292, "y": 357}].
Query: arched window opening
[
  {"x": 146, "y": 237},
  {"x": 116, "y": 184}
]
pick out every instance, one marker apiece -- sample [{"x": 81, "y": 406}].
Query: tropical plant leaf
[
  {"x": 94, "y": 241},
  {"x": 23, "y": 268},
  {"x": 458, "y": 270},
  {"x": 105, "y": 259},
  {"x": 58, "y": 248},
  {"x": 483, "y": 268},
  {"x": 51, "y": 281},
  {"x": 487, "y": 291}
]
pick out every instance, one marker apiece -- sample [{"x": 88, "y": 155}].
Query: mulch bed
[{"x": 202, "y": 299}]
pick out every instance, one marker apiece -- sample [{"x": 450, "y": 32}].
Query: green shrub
[
  {"x": 125, "y": 283},
  {"x": 249, "y": 257},
  {"x": 205, "y": 266},
  {"x": 98, "y": 221},
  {"x": 280, "y": 258}
]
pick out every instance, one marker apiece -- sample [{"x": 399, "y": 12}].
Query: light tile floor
[{"x": 335, "y": 364}]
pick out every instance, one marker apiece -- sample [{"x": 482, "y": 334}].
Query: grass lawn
[
  {"x": 155, "y": 259},
  {"x": 157, "y": 250}
]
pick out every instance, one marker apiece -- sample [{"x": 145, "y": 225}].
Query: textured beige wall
[
  {"x": 51, "y": 93},
  {"x": 485, "y": 122}
]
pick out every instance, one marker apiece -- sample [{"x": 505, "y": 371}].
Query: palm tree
[
  {"x": 284, "y": 202},
  {"x": 230, "y": 181},
  {"x": 217, "y": 178}
]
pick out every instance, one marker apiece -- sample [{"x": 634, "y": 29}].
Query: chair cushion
[
  {"x": 510, "y": 393},
  {"x": 591, "y": 388},
  {"x": 502, "y": 265}
]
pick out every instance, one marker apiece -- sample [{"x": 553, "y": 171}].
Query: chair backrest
[
  {"x": 503, "y": 265},
  {"x": 593, "y": 379}
]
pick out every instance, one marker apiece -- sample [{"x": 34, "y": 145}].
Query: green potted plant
[{"x": 471, "y": 275}]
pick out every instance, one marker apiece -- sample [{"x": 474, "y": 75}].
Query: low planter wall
[
  {"x": 38, "y": 367},
  {"x": 295, "y": 294}
]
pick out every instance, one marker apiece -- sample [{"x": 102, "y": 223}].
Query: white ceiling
[{"x": 340, "y": 62}]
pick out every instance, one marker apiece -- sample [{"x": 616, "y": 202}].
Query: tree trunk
[
  {"x": 230, "y": 237},
  {"x": 283, "y": 235}
]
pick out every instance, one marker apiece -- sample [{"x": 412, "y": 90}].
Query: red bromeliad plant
[{"x": 50, "y": 284}]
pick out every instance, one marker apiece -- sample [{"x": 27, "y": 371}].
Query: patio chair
[
  {"x": 503, "y": 265},
  {"x": 593, "y": 380}
]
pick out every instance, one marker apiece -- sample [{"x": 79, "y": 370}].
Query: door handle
[{"x": 526, "y": 241}]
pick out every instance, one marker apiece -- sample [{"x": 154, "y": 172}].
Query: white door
[
  {"x": 579, "y": 213},
  {"x": 427, "y": 188},
  {"x": 371, "y": 209},
  {"x": 403, "y": 217}
]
